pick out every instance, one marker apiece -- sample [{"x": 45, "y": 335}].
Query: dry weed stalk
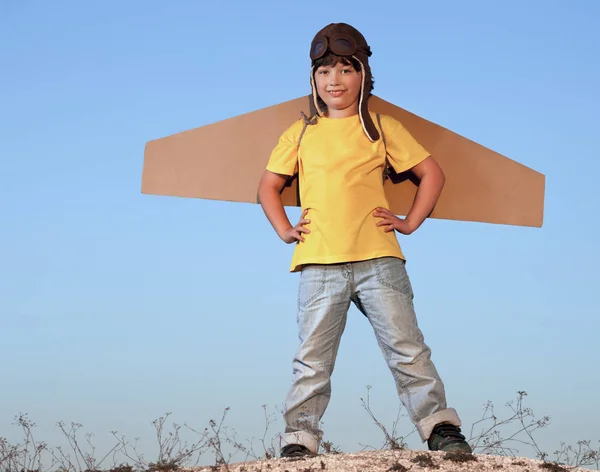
[
  {"x": 268, "y": 451},
  {"x": 29, "y": 455},
  {"x": 490, "y": 440},
  {"x": 172, "y": 453},
  {"x": 26, "y": 456},
  {"x": 581, "y": 455},
  {"x": 392, "y": 440}
]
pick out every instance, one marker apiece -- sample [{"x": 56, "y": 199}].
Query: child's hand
[
  {"x": 392, "y": 222},
  {"x": 294, "y": 233}
]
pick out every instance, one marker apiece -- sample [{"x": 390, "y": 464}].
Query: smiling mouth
[{"x": 336, "y": 93}]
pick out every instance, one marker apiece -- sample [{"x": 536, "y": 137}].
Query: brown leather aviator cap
[{"x": 344, "y": 40}]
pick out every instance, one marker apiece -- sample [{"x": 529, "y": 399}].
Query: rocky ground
[{"x": 394, "y": 461}]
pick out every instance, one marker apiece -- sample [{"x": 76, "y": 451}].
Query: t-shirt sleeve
[
  {"x": 404, "y": 151},
  {"x": 284, "y": 157}
]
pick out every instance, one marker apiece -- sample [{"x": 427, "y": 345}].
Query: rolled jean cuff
[
  {"x": 300, "y": 437},
  {"x": 426, "y": 425}
]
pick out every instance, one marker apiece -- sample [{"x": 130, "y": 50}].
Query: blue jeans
[{"x": 381, "y": 290}]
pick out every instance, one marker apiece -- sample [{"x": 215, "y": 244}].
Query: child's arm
[
  {"x": 432, "y": 181},
  {"x": 269, "y": 197}
]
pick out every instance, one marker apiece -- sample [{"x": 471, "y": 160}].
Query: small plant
[
  {"x": 397, "y": 467},
  {"x": 498, "y": 436},
  {"x": 392, "y": 440},
  {"x": 26, "y": 456},
  {"x": 581, "y": 455},
  {"x": 425, "y": 461},
  {"x": 216, "y": 443},
  {"x": 459, "y": 456},
  {"x": 267, "y": 447},
  {"x": 553, "y": 467},
  {"x": 490, "y": 440},
  {"x": 330, "y": 448},
  {"x": 172, "y": 453},
  {"x": 79, "y": 456}
]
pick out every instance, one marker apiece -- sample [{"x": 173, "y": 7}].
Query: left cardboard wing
[
  {"x": 225, "y": 161},
  {"x": 220, "y": 161}
]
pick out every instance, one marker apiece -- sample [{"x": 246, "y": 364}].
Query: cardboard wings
[{"x": 225, "y": 160}]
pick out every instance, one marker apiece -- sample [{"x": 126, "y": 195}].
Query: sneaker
[
  {"x": 447, "y": 437},
  {"x": 295, "y": 451}
]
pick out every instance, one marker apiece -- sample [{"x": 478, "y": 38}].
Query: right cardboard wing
[
  {"x": 481, "y": 185},
  {"x": 225, "y": 160}
]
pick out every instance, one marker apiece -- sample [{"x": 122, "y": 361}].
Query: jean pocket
[
  {"x": 391, "y": 273},
  {"x": 312, "y": 284}
]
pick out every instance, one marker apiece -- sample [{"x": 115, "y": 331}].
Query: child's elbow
[
  {"x": 442, "y": 177},
  {"x": 269, "y": 184},
  {"x": 260, "y": 190},
  {"x": 437, "y": 172}
]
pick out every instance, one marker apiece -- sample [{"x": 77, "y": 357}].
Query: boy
[{"x": 346, "y": 248}]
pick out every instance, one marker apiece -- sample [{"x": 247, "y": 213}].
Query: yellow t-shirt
[{"x": 340, "y": 177}]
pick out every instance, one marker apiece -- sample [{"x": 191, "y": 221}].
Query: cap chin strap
[
  {"x": 362, "y": 97},
  {"x": 314, "y": 91}
]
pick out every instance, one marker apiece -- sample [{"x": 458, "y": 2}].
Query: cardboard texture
[{"x": 225, "y": 160}]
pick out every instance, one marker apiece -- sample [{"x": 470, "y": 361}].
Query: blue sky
[{"x": 117, "y": 307}]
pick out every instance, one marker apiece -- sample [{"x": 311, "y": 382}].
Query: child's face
[{"x": 339, "y": 87}]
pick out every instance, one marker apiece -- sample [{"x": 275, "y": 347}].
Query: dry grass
[{"x": 490, "y": 435}]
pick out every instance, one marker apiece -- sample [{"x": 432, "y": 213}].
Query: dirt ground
[{"x": 394, "y": 461}]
